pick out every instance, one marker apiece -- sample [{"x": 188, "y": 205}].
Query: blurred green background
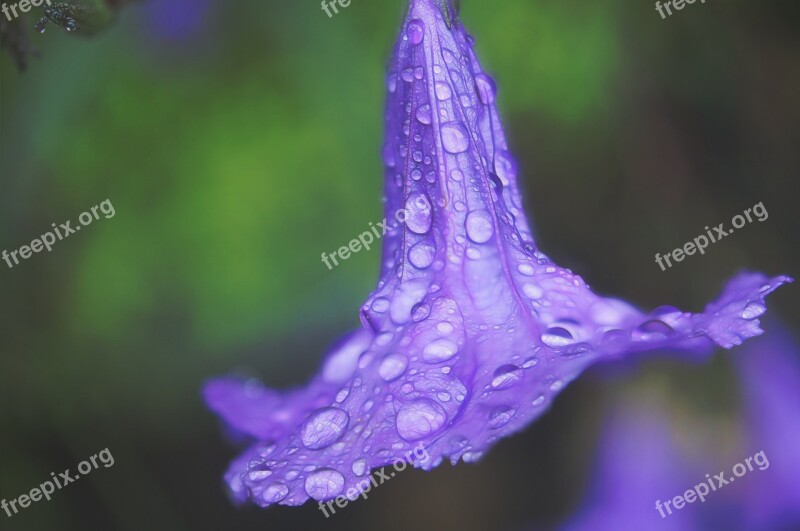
[{"x": 237, "y": 141}]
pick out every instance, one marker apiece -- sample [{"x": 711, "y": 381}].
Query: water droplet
[
  {"x": 419, "y": 419},
  {"x": 486, "y": 88},
  {"x": 533, "y": 291},
  {"x": 324, "y": 484},
  {"x": 530, "y": 362},
  {"x": 505, "y": 376},
  {"x": 500, "y": 416},
  {"x": 422, "y": 254},
  {"x": 275, "y": 493},
  {"x": 391, "y": 82},
  {"x": 557, "y": 337},
  {"x": 424, "y": 114},
  {"x": 454, "y": 137},
  {"x": 653, "y": 329},
  {"x": 439, "y": 350},
  {"x": 359, "y": 467},
  {"x": 418, "y": 215},
  {"x": 392, "y": 367},
  {"x": 753, "y": 310},
  {"x": 443, "y": 91},
  {"x": 324, "y": 427},
  {"x": 525, "y": 269},
  {"x": 445, "y": 327},
  {"x": 420, "y": 312},
  {"x": 480, "y": 228},
  {"x": 380, "y": 305},
  {"x": 415, "y": 31},
  {"x": 505, "y": 167},
  {"x": 538, "y": 401}
]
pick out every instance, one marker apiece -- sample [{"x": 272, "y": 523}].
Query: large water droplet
[
  {"x": 359, "y": 467},
  {"x": 653, "y": 329},
  {"x": 324, "y": 427},
  {"x": 500, "y": 416},
  {"x": 415, "y": 31},
  {"x": 421, "y": 255},
  {"x": 392, "y": 367},
  {"x": 454, "y": 137},
  {"x": 753, "y": 310},
  {"x": 324, "y": 484},
  {"x": 380, "y": 305},
  {"x": 275, "y": 493},
  {"x": 486, "y": 88},
  {"x": 479, "y": 226},
  {"x": 420, "y": 419},
  {"x": 418, "y": 215},
  {"x": 443, "y": 91},
  {"x": 505, "y": 166},
  {"x": 505, "y": 376},
  {"x": 439, "y": 350},
  {"x": 424, "y": 114},
  {"x": 533, "y": 291},
  {"x": 557, "y": 337}
]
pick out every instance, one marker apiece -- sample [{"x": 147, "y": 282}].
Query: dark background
[{"x": 239, "y": 140}]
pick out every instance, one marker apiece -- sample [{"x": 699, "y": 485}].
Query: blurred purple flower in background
[
  {"x": 769, "y": 370},
  {"x": 176, "y": 20},
  {"x": 639, "y": 461},
  {"x": 471, "y": 331}
]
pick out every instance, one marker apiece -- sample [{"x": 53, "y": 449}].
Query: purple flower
[
  {"x": 640, "y": 462},
  {"x": 769, "y": 370},
  {"x": 471, "y": 331},
  {"x": 637, "y": 464}
]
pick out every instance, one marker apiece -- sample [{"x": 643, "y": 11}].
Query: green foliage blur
[{"x": 237, "y": 153}]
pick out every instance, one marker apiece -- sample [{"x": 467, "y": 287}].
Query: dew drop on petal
[
  {"x": 424, "y": 114},
  {"x": 753, "y": 310},
  {"x": 526, "y": 269},
  {"x": 439, "y": 350},
  {"x": 505, "y": 167},
  {"x": 324, "y": 427},
  {"x": 500, "y": 416},
  {"x": 324, "y": 484},
  {"x": 421, "y": 255},
  {"x": 359, "y": 467},
  {"x": 392, "y": 367},
  {"x": 486, "y": 88},
  {"x": 418, "y": 215},
  {"x": 419, "y": 419},
  {"x": 415, "y": 31},
  {"x": 443, "y": 91},
  {"x": 275, "y": 493},
  {"x": 532, "y": 291},
  {"x": 505, "y": 376},
  {"x": 454, "y": 137},
  {"x": 557, "y": 337},
  {"x": 479, "y": 226}
]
